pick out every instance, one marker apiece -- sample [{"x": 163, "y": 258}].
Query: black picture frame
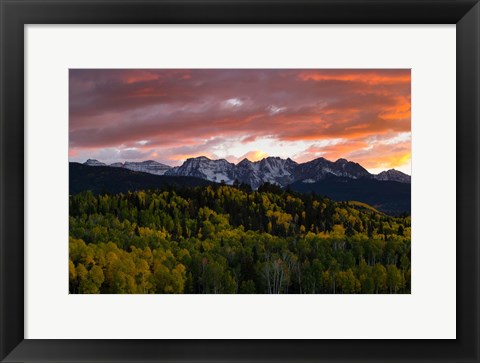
[{"x": 15, "y": 14}]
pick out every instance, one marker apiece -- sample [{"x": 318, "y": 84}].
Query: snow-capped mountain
[
  {"x": 94, "y": 162},
  {"x": 320, "y": 168},
  {"x": 202, "y": 167},
  {"x": 393, "y": 175},
  {"x": 148, "y": 166},
  {"x": 273, "y": 170}
]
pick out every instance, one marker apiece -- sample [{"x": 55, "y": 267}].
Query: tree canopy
[{"x": 230, "y": 239}]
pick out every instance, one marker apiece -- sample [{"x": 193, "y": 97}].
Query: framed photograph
[{"x": 239, "y": 181}]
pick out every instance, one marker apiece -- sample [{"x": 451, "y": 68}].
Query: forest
[{"x": 220, "y": 239}]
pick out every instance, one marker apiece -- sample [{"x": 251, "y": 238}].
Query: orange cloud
[{"x": 370, "y": 77}]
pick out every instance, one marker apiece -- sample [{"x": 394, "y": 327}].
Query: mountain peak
[
  {"x": 319, "y": 159},
  {"x": 94, "y": 162},
  {"x": 393, "y": 175},
  {"x": 199, "y": 158},
  {"x": 202, "y": 167},
  {"x": 244, "y": 161}
]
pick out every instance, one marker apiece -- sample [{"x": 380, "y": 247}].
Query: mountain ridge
[{"x": 272, "y": 169}]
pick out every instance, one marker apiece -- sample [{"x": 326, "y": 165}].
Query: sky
[{"x": 169, "y": 115}]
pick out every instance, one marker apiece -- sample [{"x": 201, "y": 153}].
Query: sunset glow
[{"x": 170, "y": 115}]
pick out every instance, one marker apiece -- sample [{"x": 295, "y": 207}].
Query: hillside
[
  {"x": 101, "y": 179},
  {"x": 387, "y": 196}
]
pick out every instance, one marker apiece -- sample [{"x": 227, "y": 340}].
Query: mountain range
[
  {"x": 341, "y": 180},
  {"x": 273, "y": 170}
]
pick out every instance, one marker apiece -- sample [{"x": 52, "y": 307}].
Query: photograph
[{"x": 239, "y": 181}]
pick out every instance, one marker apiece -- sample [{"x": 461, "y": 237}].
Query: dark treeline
[{"x": 229, "y": 239}]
